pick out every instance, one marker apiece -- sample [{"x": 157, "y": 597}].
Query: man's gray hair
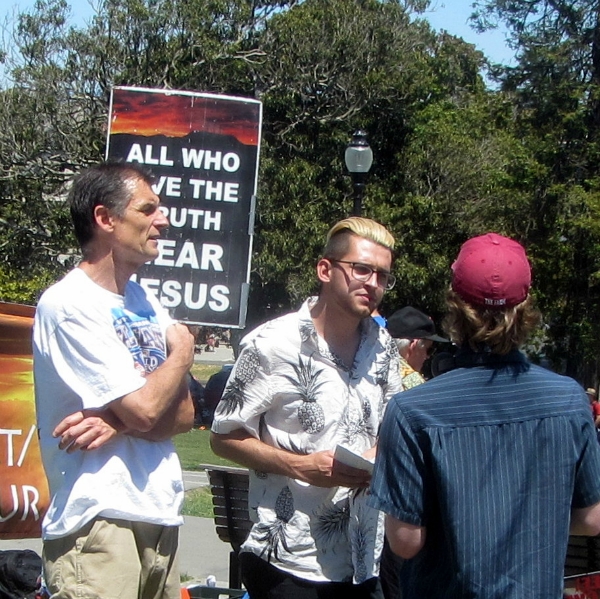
[{"x": 402, "y": 345}]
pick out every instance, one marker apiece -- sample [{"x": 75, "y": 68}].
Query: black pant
[{"x": 264, "y": 581}]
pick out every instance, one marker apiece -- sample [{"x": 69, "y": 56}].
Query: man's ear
[
  {"x": 103, "y": 218},
  {"x": 324, "y": 270},
  {"x": 414, "y": 344}
]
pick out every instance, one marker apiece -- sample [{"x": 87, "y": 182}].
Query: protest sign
[
  {"x": 24, "y": 496},
  {"x": 203, "y": 150}
]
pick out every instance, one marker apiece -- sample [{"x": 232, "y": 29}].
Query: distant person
[
  {"x": 484, "y": 470},
  {"x": 415, "y": 335},
  {"x": 303, "y": 384},
  {"x": 111, "y": 389},
  {"x": 594, "y": 404},
  {"x": 214, "y": 390},
  {"x": 201, "y": 418},
  {"x": 210, "y": 343}
]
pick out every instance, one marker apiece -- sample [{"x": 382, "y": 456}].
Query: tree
[
  {"x": 55, "y": 104},
  {"x": 555, "y": 92},
  {"x": 445, "y": 164}
]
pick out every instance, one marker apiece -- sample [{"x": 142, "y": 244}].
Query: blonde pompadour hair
[{"x": 337, "y": 242}]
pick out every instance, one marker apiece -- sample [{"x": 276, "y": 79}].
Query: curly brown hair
[{"x": 500, "y": 330}]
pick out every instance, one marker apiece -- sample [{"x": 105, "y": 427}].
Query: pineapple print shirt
[{"x": 289, "y": 390}]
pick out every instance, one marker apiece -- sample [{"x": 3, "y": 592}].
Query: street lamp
[{"x": 359, "y": 158}]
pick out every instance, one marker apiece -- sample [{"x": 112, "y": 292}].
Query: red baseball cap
[{"x": 492, "y": 271}]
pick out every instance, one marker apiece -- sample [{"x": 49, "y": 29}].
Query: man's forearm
[
  {"x": 177, "y": 419},
  {"x": 142, "y": 410},
  {"x": 586, "y": 521},
  {"x": 318, "y": 468},
  {"x": 244, "y": 449}
]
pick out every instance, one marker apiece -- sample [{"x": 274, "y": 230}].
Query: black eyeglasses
[{"x": 364, "y": 272}]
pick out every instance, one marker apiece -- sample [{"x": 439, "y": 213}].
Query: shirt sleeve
[
  {"x": 400, "y": 480},
  {"x": 90, "y": 358},
  {"x": 247, "y": 394}
]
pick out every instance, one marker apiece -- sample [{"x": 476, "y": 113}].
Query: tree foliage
[
  {"x": 452, "y": 157},
  {"x": 555, "y": 92}
]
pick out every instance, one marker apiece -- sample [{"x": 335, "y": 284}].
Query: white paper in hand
[{"x": 348, "y": 457}]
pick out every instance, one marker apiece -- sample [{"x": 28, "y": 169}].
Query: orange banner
[{"x": 24, "y": 493}]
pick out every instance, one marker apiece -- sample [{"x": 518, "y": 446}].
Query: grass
[
  {"x": 198, "y": 502},
  {"x": 203, "y": 371},
  {"x": 194, "y": 449}
]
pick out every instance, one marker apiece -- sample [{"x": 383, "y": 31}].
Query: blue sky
[{"x": 450, "y": 15}]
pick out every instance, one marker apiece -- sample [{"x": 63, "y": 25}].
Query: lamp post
[{"x": 359, "y": 158}]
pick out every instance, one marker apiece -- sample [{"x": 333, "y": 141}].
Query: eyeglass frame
[{"x": 390, "y": 278}]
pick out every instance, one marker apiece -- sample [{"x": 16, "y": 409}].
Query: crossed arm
[{"x": 160, "y": 409}]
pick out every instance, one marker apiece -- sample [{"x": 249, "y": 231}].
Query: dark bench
[
  {"x": 229, "y": 488},
  {"x": 583, "y": 555}
]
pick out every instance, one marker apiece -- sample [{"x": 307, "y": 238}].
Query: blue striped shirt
[{"x": 490, "y": 459}]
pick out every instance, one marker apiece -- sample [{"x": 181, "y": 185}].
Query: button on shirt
[
  {"x": 490, "y": 459},
  {"x": 289, "y": 390}
]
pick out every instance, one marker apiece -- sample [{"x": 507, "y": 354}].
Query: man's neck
[
  {"x": 104, "y": 273},
  {"x": 340, "y": 330}
]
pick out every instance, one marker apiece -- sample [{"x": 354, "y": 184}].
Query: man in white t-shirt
[{"x": 111, "y": 390}]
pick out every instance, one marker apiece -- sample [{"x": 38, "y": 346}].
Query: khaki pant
[{"x": 113, "y": 559}]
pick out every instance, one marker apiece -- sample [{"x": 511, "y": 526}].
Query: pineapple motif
[
  {"x": 332, "y": 523},
  {"x": 244, "y": 373},
  {"x": 364, "y": 534},
  {"x": 359, "y": 545},
  {"x": 273, "y": 535},
  {"x": 366, "y": 406},
  {"x": 383, "y": 371},
  {"x": 307, "y": 330},
  {"x": 354, "y": 425},
  {"x": 284, "y": 505},
  {"x": 310, "y": 413}
]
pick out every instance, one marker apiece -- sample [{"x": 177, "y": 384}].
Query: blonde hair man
[{"x": 303, "y": 384}]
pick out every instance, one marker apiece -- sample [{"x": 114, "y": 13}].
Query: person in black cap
[{"x": 415, "y": 335}]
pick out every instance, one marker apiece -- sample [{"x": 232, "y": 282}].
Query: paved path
[
  {"x": 221, "y": 355},
  {"x": 193, "y": 480}
]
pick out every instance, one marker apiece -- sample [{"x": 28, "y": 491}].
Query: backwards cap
[{"x": 492, "y": 271}]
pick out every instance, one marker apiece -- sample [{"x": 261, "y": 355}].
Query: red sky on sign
[{"x": 151, "y": 113}]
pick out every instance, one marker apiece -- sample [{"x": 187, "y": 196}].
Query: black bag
[{"x": 20, "y": 571}]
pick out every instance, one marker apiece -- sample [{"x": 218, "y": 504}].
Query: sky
[{"x": 451, "y": 15}]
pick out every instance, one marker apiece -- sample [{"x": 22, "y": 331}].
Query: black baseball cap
[{"x": 410, "y": 323}]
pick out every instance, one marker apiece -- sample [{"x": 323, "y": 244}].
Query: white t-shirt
[{"x": 90, "y": 347}]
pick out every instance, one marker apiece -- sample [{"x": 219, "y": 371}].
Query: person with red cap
[{"x": 484, "y": 471}]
